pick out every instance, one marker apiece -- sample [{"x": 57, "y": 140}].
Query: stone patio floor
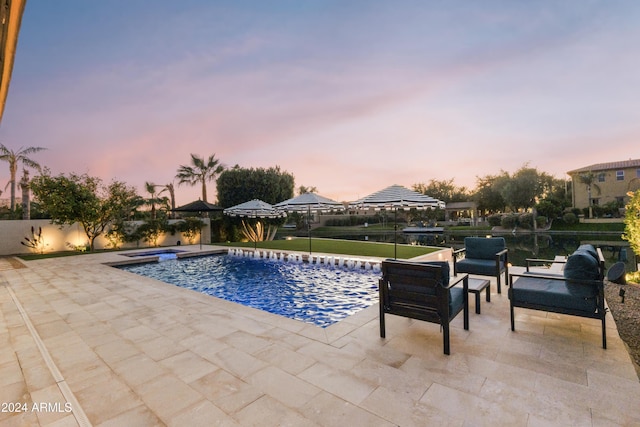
[{"x": 82, "y": 343}]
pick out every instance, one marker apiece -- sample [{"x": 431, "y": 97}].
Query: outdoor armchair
[
  {"x": 422, "y": 290},
  {"x": 483, "y": 256}
]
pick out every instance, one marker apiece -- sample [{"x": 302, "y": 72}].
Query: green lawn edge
[{"x": 340, "y": 247}]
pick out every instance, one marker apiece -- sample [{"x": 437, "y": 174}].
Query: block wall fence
[{"x": 58, "y": 238}]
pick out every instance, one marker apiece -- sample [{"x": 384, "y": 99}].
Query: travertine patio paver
[{"x": 135, "y": 351}]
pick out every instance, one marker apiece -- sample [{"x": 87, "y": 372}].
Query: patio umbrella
[
  {"x": 199, "y": 206},
  {"x": 255, "y": 209},
  {"x": 396, "y": 197},
  {"x": 307, "y": 202}
]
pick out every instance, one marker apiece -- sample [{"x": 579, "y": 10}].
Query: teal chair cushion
[
  {"x": 444, "y": 266},
  {"x": 456, "y": 295},
  {"x": 483, "y": 247},
  {"x": 456, "y": 299},
  {"x": 483, "y": 267}
]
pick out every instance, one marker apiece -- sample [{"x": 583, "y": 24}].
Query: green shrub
[
  {"x": 542, "y": 221},
  {"x": 190, "y": 228},
  {"x": 525, "y": 220},
  {"x": 570, "y": 218},
  {"x": 632, "y": 223},
  {"x": 495, "y": 220},
  {"x": 509, "y": 221},
  {"x": 548, "y": 209}
]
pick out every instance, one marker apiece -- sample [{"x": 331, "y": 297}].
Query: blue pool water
[
  {"x": 314, "y": 294},
  {"x": 166, "y": 253}
]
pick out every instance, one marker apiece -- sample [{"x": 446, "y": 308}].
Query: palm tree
[
  {"x": 303, "y": 189},
  {"x": 200, "y": 172},
  {"x": 589, "y": 179},
  {"x": 151, "y": 189},
  {"x": 25, "y": 185},
  {"x": 172, "y": 196},
  {"x": 14, "y": 159}
]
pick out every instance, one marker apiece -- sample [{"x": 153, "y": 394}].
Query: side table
[{"x": 476, "y": 286}]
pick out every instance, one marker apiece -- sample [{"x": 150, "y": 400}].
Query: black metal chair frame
[{"x": 401, "y": 293}]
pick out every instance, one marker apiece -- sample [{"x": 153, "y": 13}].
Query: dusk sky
[{"x": 348, "y": 96}]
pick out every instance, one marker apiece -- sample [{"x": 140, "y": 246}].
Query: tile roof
[{"x": 608, "y": 166}]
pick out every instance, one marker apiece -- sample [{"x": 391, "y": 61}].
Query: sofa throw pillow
[
  {"x": 589, "y": 249},
  {"x": 581, "y": 265}
]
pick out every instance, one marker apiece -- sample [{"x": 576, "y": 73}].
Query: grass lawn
[{"x": 341, "y": 247}]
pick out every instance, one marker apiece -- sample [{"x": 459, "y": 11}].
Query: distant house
[{"x": 603, "y": 183}]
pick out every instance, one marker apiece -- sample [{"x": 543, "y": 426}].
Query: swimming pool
[{"x": 315, "y": 294}]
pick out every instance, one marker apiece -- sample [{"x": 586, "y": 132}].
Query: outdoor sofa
[{"x": 577, "y": 291}]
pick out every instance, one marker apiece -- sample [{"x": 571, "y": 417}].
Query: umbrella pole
[
  {"x": 395, "y": 233},
  {"x": 309, "y": 226}
]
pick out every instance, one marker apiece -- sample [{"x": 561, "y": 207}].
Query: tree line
[{"x": 98, "y": 207}]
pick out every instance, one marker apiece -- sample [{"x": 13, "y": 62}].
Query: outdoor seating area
[{"x": 128, "y": 350}]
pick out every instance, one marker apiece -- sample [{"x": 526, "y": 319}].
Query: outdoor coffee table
[{"x": 476, "y": 286}]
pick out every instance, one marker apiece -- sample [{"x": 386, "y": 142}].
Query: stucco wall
[{"x": 57, "y": 238}]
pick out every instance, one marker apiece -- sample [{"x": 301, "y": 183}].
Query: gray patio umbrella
[
  {"x": 199, "y": 206},
  {"x": 255, "y": 209},
  {"x": 307, "y": 202},
  {"x": 396, "y": 197}
]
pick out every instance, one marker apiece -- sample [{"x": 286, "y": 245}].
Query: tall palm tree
[
  {"x": 14, "y": 159},
  {"x": 200, "y": 171},
  {"x": 25, "y": 185},
  {"x": 151, "y": 189},
  {"x": 589, "y": 179},
  {"x": 169, "y": 188}
]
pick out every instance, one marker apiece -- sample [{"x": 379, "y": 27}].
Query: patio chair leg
[
  {"x": 445, "y": 335},
  {"x": 513, "y": 323}
]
